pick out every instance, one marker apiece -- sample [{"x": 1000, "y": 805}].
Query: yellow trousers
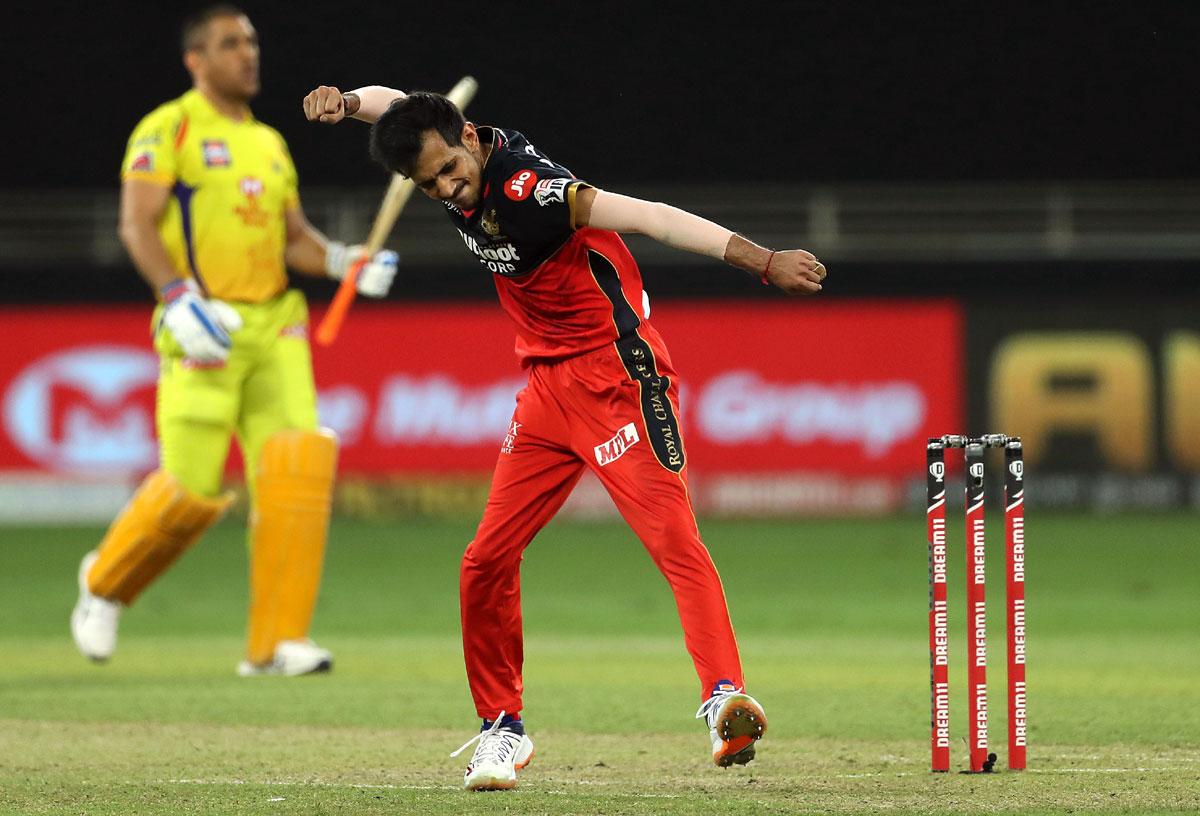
[{"x": 265, "y": 387}]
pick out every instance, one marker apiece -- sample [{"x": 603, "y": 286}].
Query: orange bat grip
[{"x": 331, "y": 323}]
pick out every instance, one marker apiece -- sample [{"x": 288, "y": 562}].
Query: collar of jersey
[
  {"x": 498, "y": 141},
  {"x": 205, "y": 108}
]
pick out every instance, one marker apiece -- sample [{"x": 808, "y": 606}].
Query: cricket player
[
  {"x": 602, "y": 393},
  {"x": 211, "y": 217}
]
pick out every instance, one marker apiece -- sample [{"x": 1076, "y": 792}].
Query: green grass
[{"x": 831, "y": 617}]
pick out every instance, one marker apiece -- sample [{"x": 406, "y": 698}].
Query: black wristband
[{"x": 347, "y": 107}]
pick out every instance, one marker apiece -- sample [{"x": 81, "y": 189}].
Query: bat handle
[{"x": 331, "y": 323}]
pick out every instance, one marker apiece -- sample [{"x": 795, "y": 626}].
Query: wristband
[
  {"x": 336, "y": 260},
  {"x": 349, "y": 109},
  {"x": 765, "y": 280},
  {"x": 173, "y": 290}
]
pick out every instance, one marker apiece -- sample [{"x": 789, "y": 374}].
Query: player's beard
[
  {"x": 474, "y": 181},
  {"x": 241, "y": 85},
  {"x": 468, "y": 201},
  {"x": 249, "y": 86}
]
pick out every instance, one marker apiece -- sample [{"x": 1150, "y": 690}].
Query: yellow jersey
[{"x": 231, "y": 183}]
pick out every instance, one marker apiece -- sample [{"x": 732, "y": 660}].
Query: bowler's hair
[
  {"x": 195, "y": 27},
  {"x": 397, "y": 136}
]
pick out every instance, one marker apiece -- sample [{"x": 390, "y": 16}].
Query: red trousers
[{"x": 613, "y": 410}]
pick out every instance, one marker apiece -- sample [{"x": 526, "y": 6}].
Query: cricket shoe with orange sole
[
  {"x": 503, "y": 750},
  {"x": 736, "y": 721}
]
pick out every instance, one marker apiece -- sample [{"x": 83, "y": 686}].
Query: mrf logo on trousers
[{"x": 614, "y": 449}]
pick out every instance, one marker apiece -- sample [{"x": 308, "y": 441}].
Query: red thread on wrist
[{"x": 765, "y": 280}]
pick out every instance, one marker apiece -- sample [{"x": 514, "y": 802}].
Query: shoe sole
[
  {"x": 322, "y": 667},
  {"x": 247, "y": 669},
  {"x": 520, "y": 766},
  {"x": 740, "y": 723},
  {"x": 492, "y": 783}
]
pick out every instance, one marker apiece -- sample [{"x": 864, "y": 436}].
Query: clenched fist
[
  {"x": 795, "y": 271},
  {"x": 329, "y": 105}
]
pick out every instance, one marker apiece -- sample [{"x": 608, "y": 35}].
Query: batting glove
[
  {"x": 200, "y": 326},
  {"x": 374, "y": 279}
]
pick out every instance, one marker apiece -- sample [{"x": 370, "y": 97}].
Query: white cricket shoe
[
  {"x": 292, "y": 658},
  {"x": 735, "y": 722},
  {"x": 501, "y": 752},
  {"x": 94, "y": 619}
]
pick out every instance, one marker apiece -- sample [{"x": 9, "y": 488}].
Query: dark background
[
  {"x": 679, "y": 91},
  {"x": 639, "y": 93}
]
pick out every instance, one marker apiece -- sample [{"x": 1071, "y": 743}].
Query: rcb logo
[{"x": 489, "y": 223}]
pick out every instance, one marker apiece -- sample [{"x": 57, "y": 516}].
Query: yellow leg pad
[
  {"x": 161, "y": 521},
  {"x": 287, "y": 537}
]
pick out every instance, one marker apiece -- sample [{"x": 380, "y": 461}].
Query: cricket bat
[{"x": 398, "y": 193}]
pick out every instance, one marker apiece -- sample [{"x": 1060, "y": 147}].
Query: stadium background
[
  {"x": 982, "y": 184},
  {"x": 1007, "y": 199}
]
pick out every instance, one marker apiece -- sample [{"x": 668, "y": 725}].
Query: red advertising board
[
  {"x": 77, "y": 390},
  {"x": 839, "y": 388},
  {"x": 848, "y": 387}
]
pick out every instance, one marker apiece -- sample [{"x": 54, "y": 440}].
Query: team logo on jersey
[
  {"x": 490, "y": 224},
  {"x": 551, "y": 191},
  {"x": 520, "y": 185},
  {"x": 252, "y": 213},
  {"x": 614, "y": 449},
  {"x": 251, "y": 187},
  {"x": 144, "y": 163},
  {"x": 216, "y": 153}
]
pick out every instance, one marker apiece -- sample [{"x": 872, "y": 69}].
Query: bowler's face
[{"x": 450, "y": 174}]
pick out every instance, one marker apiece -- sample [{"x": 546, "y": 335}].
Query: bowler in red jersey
[{"x": 602, "y": 393}]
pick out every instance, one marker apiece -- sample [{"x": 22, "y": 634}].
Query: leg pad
[
  {"x": 161, "y": 521},
  {"x": 288, "y": 531}
]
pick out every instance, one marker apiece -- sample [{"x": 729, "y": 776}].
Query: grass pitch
[{"x": 832, "y": 622}]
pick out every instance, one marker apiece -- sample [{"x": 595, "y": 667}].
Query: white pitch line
[
  {"x": 1100, "y": 770},
  {"x": 388, "y": 786},
  {"x": 300, "y": 784}
]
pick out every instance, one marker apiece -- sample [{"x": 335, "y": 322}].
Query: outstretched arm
[
  {"x": 794, "y": 271},
  {"x": 329, "y": 105}
]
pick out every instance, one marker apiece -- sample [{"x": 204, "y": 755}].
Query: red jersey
[{"x": 568, "y": 290}]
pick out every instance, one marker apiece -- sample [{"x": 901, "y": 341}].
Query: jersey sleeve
[
  {"x": 150, "y": 154},
  {"x": 537, "y": 199}
]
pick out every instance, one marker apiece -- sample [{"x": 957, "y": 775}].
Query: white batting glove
[
  {"x": 200, "y": 326},
  {"x": 374, "y": 279}
]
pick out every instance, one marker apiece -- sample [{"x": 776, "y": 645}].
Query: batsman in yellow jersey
[{"x": 211, "y": 216}]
